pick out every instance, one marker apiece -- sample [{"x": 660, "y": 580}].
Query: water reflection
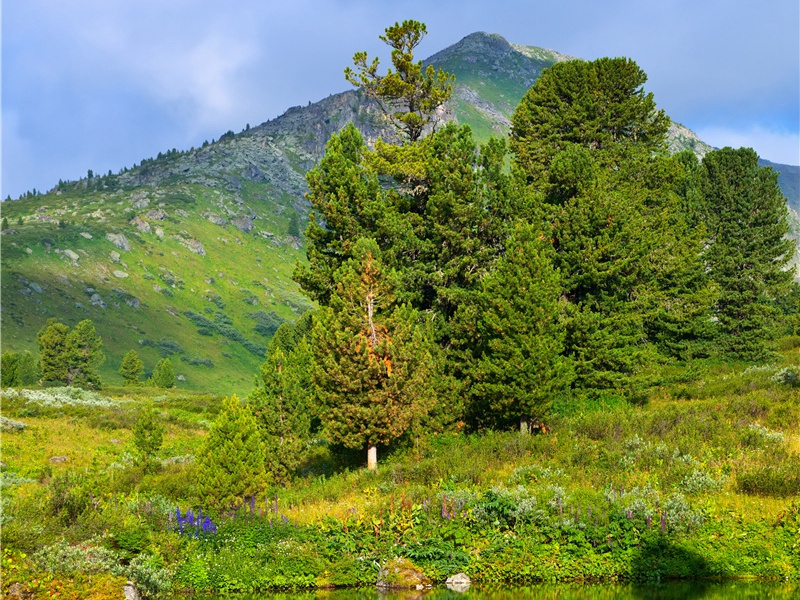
[{"x": 677, "y": 590}]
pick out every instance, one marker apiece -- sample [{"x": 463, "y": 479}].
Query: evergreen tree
[
  {"x": 520, "y": 367},
  {"x": 282, "y": 403},
  {"x": 148, "y": 436},
  {"x": 231, "y": 462},
  {"x": 5, "y": 223},
  {"x": 27, "y": 369},
  {"x": 372, "y": 359},
  {"x": 132, "y": 368},
  {"x": 8, "y": 369},
  {"x": 53, "y": 359},
  {"x": 84, "y": 350},
  {"x": 598, "y": 105},
  {"x": 410, "y": 94},
  {"x": 748, "y": 253},
  {"x": 164, "y": 374}
]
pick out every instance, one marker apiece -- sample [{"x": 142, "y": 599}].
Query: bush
[{"x": 781, "y": 481}]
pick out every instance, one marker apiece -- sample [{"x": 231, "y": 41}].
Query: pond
[{"x": 674, "y": 590}]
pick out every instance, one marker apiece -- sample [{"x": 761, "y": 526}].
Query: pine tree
[
  {"x": 5, "y": 224},
  {"x": 748, "y": 253},
  {"x": 520, "y": 366},
  {"x": 164, "y": 374},
  {"x": 409, "y": 94},
  {"x": 52, "y": 343},
  {"x": 8, "y": 369},
  {"x": 231, "y": 462},
  {"x": 148, "y": 436},
  {"x": 599, "y": 105},
  {"x": 372, "y": 358},
  {"x": 132, "y": 368},
  {"x": 84, "y": 350},
  {"x": 282, "y": 403},
  {"x": 27, "y": 369}
]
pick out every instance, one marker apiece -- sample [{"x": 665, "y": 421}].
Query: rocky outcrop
[
  {"x": 402, "y": 574},
  {"x": 119, "y": 240}
]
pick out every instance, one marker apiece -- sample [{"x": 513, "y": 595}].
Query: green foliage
[
  {"x": 164, "y": 374},
  {"x": 409, "y": 94},
  {"x": 598, "y": 105},
  {"x": 132, "y": 368},
  {"x": 372, "y": 358},
  {"x": 231, "y": 463},
  {"x": 148, "y": 436},
  {"x": 519, "y": 366},
  {"x": 748, "y": 251},
  {"x": 52, "y": 343}
]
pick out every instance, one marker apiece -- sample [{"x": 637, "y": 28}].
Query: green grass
[{"x": 570, "y": 504}]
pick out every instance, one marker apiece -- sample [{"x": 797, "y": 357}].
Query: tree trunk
[{"x": 372, "y": 457}]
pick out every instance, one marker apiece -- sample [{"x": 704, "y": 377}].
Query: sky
[{"x": 102, "y": 84}]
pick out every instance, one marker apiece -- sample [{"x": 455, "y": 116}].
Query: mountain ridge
[{"x": 190, "y": 254}]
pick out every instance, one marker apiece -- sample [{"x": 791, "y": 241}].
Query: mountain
[{"x": 189, "y": 254}]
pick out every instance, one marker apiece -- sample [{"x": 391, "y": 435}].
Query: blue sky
[{"x": 101, "y": 84}]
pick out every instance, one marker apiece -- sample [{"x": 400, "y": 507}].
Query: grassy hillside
[
  {"x": 213, "y": 232},
  {"x": 702, "y": 480}
]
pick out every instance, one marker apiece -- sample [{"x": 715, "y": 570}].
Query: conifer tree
[
  {"x": 52, "y": 343},
  {"x": 164, "y": 374},
  {"x": 84, "y": 350},
  {"x": 599, "y": 105},
  {"x": 132, "y": 368},
  {"x": 148, "y": 436},
  {"x": 282, "y": 403},
  {"x": 748, "y": 253},
  {"x": 231, "y": 462},
  {"x": 372, "y": 358},
  {"x": 410, "y": 94},
  {"x": 520, "y": 367},
  {"x": 27, "y": 369},
  {"x": 8, "y": 369}
]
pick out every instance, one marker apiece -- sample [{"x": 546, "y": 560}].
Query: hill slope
[{"x": 190, "y": 254}]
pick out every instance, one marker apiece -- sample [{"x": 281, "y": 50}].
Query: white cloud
[{"x": 776, "y": 146}]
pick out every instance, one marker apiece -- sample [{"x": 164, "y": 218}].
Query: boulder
[
  {"x": 401, "y": 573},
  {"x": 130, "y": 592},
  {"x": 120, "y": 274},
  {"x": 71, "y": 255},
  {"x": 243, "y": 224},
  {"x": 119, "y": 240},
  {"x": 459, "y": 582},
  {"x": 156, "y": 215},
  {"x": 86, "y": 234},
  {"x": 141, "y": 224}
]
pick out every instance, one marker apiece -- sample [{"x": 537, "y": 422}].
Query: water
[{"x": 678, "y": 590}]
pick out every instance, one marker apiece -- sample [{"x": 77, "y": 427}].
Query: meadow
[{"x": 701, "y": 480}]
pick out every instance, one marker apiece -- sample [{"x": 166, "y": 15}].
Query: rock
[
  {"x": 159, "y": 232},
  {"x": 114, "y": 256},
  {"x": 141, "y": 225},
  {"x": 182, "y": 213},
  {"x": 35, "y": 287},
  {"x": 120, "y": 274},
  {"x": 400, "y": 573},
  {"x": 59, "y": 459},
  {"x": 139, "y": 199},
  {"x": 25, "y": 291},
  {"x": 28, "y": 250},
  {"x": 16, "y": 590},
  {"x": 133, "y": 303},
  {"x": 119, "y": 240},
  {"x": 216, "y": 219},
  {"x": 156, "y": 215},
  {"x": 96, "y": 300},
  {"x": 73, "y": 256},
  {"x": 181, "y": 377},
  {"x": 79, "y": 305},
  {"x": 458, "y": 582},
  {"x": 86, "y": 234},
  {"x": 242, "y": 224},
  {"x": 130, "y": 591},
  {"x": 195, "y": 246}
]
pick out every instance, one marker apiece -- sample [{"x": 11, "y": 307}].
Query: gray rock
[
  {"x": 96, "y": 300},
  {"x": 181, "y": 377},
  {"x": 139, "y": 199},
  {"x": 59, "y": 459},
  {"x": 86, "y": 234},
  {"x": 119, "y": 240},
  {"x": 114, "y": 256},
  {"x": 195, "y": 246},
  {"x": 243, "y": 224},
  {"x": 216, "y": 219},
  {"x": 133, "y": 303},
  {"x": 156, "y": 215},
  {"x": 25, "y": 291},
  {"x": 459, "y": 582},
  {"x": 28, "y": 250},
  {"x": 140, "y": 224},
  {"x": 130, "y": 591},
  {"x": 79, "y": 305},
  {"x": 159, "y": 232},
  {"x": 35, "y": 287},
  {"x": 71, "y": 255},
  {"x": 120, "y": 274}
]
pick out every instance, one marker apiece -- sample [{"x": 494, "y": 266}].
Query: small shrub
[
  {"x": 700, "y": 482},
  {"x": 781, "y": 481},
  {"x": 787, "y": 376}
]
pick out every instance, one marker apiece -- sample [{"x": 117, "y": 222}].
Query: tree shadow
[{"x": 663, "y": 570}]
